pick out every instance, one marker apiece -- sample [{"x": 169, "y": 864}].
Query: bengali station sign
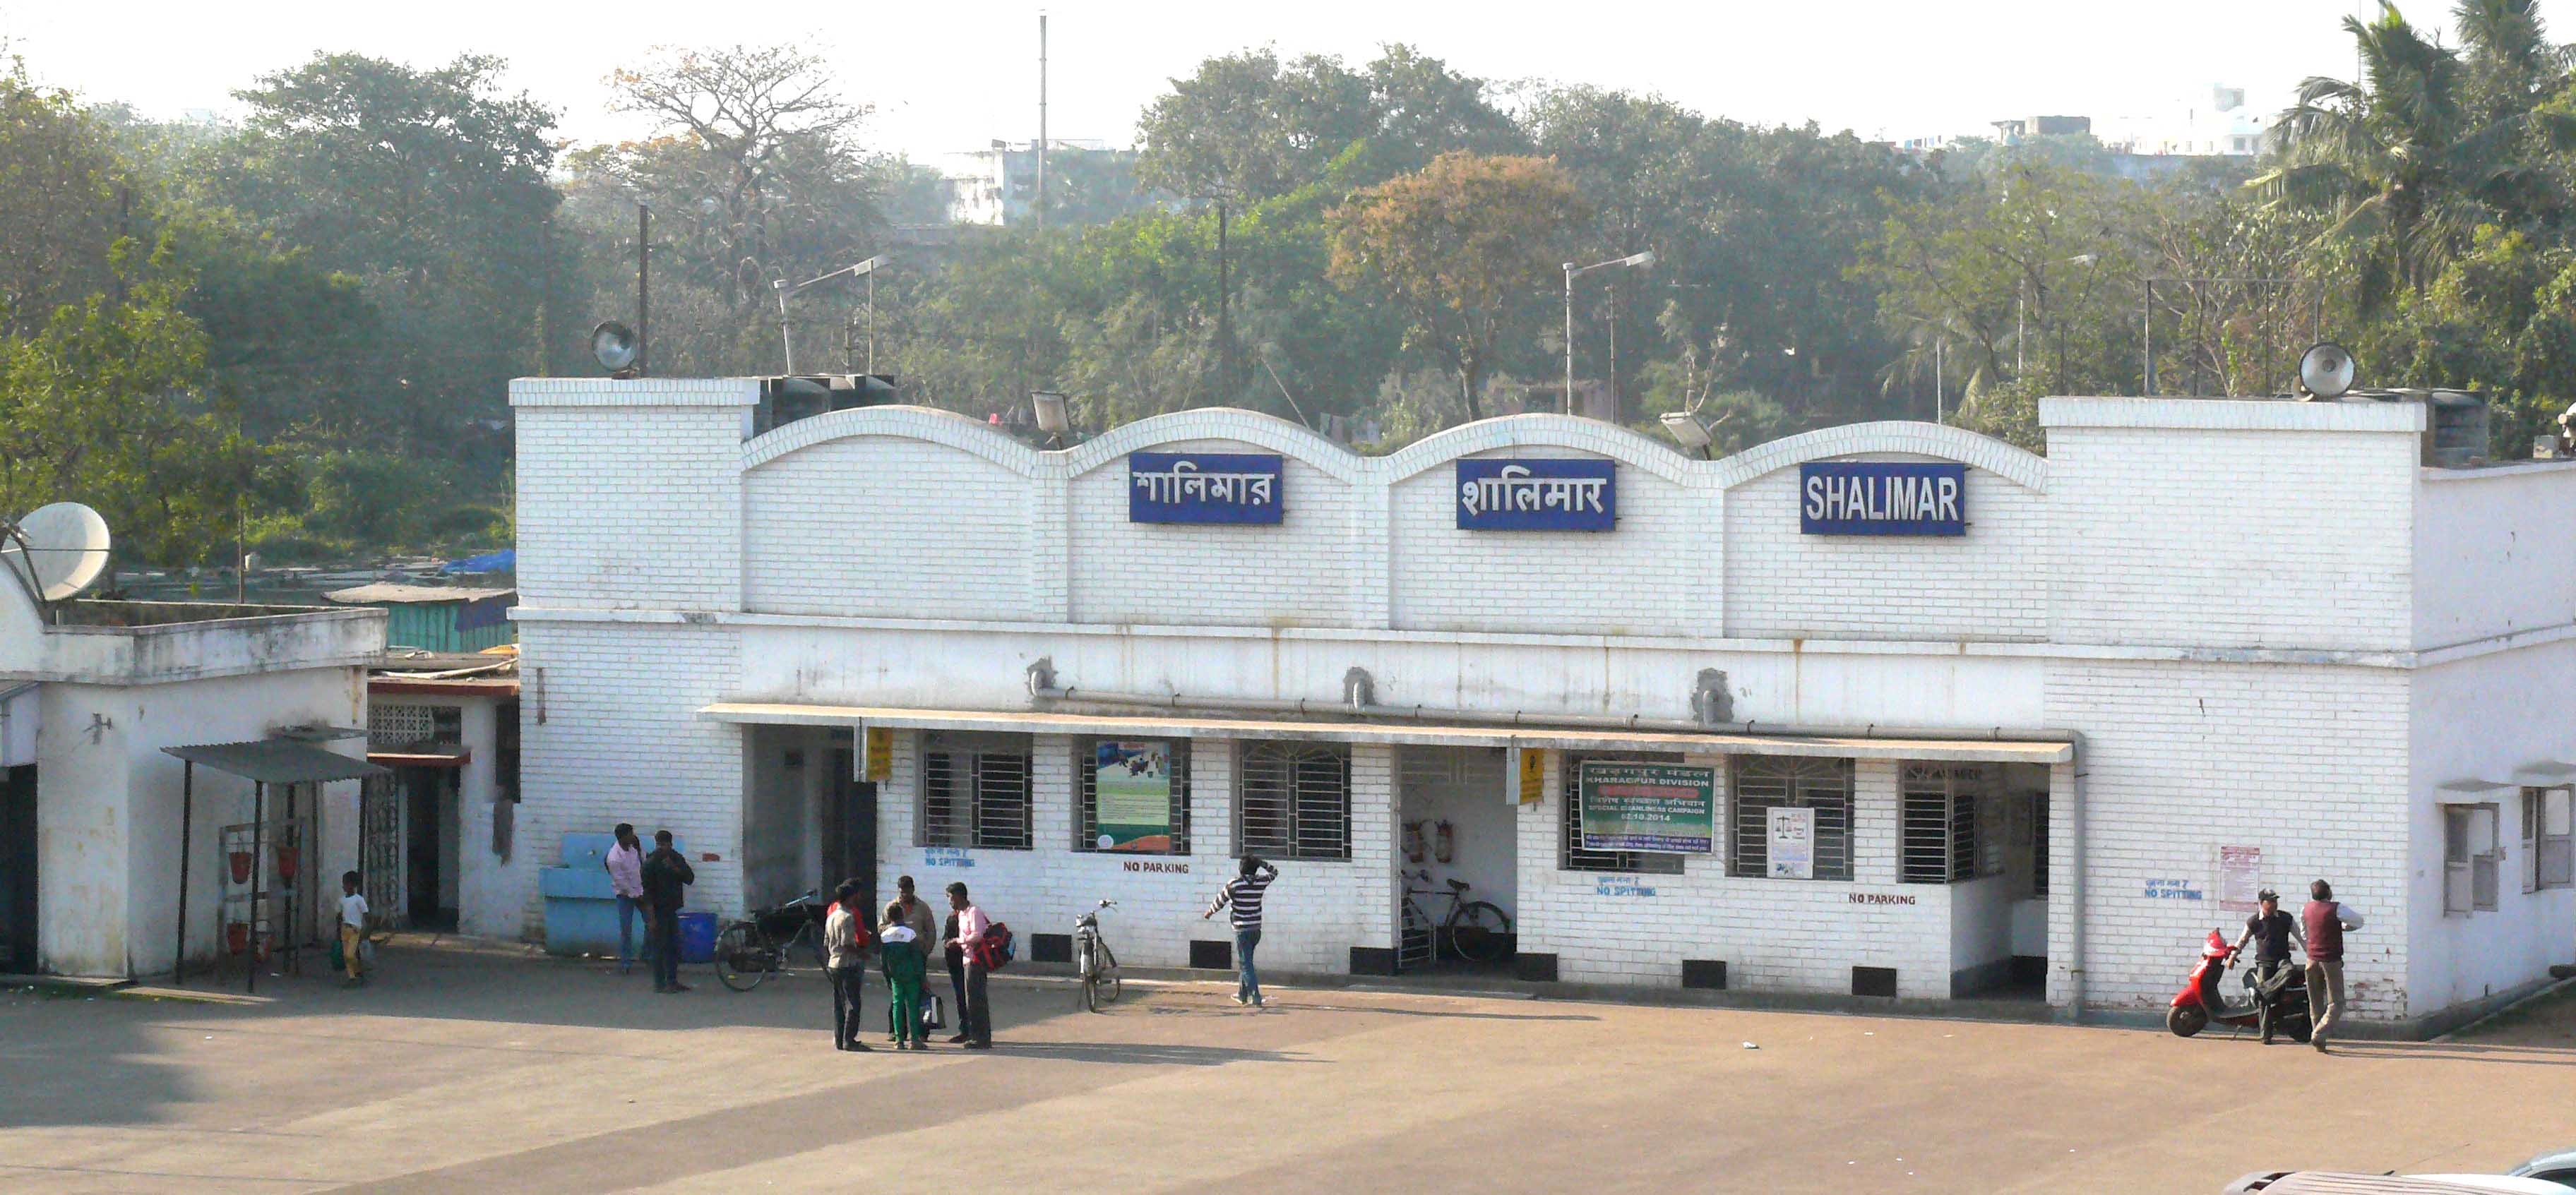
[
  {"x": 1132, "y": 785},
  {"x": 1663, "y": 808},
  {"x": 1205, "y": 487},
  {"x": 1882, "y": 498},
  {"x": 1537, "y": 495}
]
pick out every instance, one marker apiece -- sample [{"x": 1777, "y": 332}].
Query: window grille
[
  {"x": 1086, "y": 770},
  {"x": 1294, "y": 801},
  {"x": 400, "y": 725},
  {"x": 976, "y": 795},
  {"x": 1572, "y": 856},
  {"x": 2039, "y": 846},
  {"x": 2548, "y": 841},
  {"x": 1763, "y": 783},
  {"x": 1946, "y": 832},
  {"x": 2468, "y": 859}
]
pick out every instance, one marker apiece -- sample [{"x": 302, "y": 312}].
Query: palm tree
[{"x": 2407, "y": 159}]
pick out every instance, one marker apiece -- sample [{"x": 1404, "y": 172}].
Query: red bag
[{"x": 995, "y": 949}]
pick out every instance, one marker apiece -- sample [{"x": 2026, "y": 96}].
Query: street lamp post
[
  {"x": 1573, "y": 272},
  {"x": 786, "y": 290}
]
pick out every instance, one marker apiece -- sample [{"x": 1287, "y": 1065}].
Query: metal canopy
[
  {"x": 1404, "y": 733},
  {"x": 278, "y": 761}
]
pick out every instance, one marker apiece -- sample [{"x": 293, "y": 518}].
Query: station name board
[
  {"x": 1205, "y": 487},
  {"x": 1882, "y": 498},
  {"x": 1537, "y": 495}
]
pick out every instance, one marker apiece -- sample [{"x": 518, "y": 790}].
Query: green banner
[
  {"x": 1664, "y": 808},
  {"x": 1132, "y": 784}
]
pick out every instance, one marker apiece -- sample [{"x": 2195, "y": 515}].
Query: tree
[
  {"x": 60, "y": 176},
  {"x": 2413, "y": 156},
  {"x": 1263, "y": 128},
  {"x": 1460, "y": 247}
]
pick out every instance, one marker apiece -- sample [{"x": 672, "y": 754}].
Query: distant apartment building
[
  {"x": 1088, "y": 183},
  {"x": 2219, "y": 124}
]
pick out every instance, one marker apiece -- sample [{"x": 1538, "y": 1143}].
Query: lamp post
[
  {"x": 786, "y": 290},
  {"x": 1573, "y": 272}
]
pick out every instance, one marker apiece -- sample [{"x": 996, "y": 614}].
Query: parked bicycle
[
  {"x": 1477, "y": 931},
  {"x": 757, "y": 947},
  {"x": 1093, "y": 960}
]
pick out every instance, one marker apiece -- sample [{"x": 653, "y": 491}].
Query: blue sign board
[
  {"x": 1204, "y": 487},
  {"x": 1882, "y": 498},
  {"x": 1537, "y": 495}
]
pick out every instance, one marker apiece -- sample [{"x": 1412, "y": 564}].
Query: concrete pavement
[{"x": 471, "y": 1071}]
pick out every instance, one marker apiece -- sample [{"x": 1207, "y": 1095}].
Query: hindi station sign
[
  {"x": 1537, "y": 495},
  {"x": 1658, "y": 807},
  {"x": 1882, "y": 498},
  {"x": 1205, "y": 487}
]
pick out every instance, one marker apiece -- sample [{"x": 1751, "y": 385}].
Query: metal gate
[{"x": 380, "y": 808}]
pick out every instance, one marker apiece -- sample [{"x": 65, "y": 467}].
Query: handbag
[{"x": 933, "y": 1012}]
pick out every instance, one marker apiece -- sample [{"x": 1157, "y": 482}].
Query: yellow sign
[
  {"x": 1533, "y": 775},
  {"x": 880, "y": 754}
]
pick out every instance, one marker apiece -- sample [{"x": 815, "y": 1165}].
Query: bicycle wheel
[
  {"x": 1479, "y": 932},
  {"x": 742, "y": 957},
  {"x": 1083, "y": 977},
  {"x": 1106, "y": 982}
]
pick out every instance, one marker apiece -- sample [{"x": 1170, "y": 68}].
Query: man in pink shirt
[
  {"x": 625, "y": 864},
  {"x": 975, "y": 1017}
]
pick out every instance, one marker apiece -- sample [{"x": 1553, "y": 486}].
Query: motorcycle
[{"x": 2279, "y": 1006}]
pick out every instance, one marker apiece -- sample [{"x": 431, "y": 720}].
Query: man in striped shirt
[{"x": 1243, "y": 895}]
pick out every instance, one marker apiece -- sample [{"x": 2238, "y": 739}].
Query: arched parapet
[
  {"x": 2025, "y": 469},
  {"x": 1537, "y": 430},
  {"x": 928, "y": 424},
  {"x": 1216, "y": 423}
]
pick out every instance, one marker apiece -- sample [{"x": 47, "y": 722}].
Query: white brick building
[{"x": 2195, "y": 625}]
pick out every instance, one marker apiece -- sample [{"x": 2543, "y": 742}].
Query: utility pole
[
  {"x": 1224, "y": 300},
  {"x": 643, "y": 285},
  {"x": 1042, "y": 128}
]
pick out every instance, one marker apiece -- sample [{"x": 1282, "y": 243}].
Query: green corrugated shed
[{"x": 438, "y": 617}]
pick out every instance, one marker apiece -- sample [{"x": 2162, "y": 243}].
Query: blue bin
[
  {"x": 697, "y": 937},
  {"x": 581, "y": 906}
]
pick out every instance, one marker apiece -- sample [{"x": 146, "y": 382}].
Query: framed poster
[
  {"x": 1132, "y": 791},
  {"x": 1793, "y": 844},
  {"x": 2240, "y": 878},
  {"x": 1660, "y": 807}
]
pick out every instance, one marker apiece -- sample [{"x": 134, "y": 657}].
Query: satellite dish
[
  {"x": 2326, "y": 371},
  {"x": 58, "y": 549},
  {"x": 614, "y": 344}
]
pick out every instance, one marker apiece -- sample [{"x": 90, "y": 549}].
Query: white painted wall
[{"x": 2493, "y": 553}]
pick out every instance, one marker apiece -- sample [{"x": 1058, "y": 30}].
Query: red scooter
[{"x": 2278, "y": 1007}]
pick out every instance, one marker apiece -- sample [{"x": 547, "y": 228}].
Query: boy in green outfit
[{"x": 900, "y": 948}]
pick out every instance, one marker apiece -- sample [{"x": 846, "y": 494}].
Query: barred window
[
  {"x": 975, "y": 792},
  {"x": 1572, "y": 856},
  {"x": 1763, "y": 783},
  {"x": 2547, "y": 841},
  {"x": 1946, "y": 831},
  {"x": 1086, "y": 818},
  {"x": 1293, "y": 801}
]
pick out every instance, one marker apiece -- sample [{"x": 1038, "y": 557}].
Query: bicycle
[
  {"x": 755, "y": 948},
  {"x": 1093, "y": 960},
  {"x": 1478, "y": 931}
]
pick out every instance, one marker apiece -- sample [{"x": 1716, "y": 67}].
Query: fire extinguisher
[
  {"x": 1444, "y": 842},
  {"x": 1413, "y": 842}
]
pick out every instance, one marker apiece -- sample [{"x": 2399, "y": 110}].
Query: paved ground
[{"x": 483, "y": 1073}]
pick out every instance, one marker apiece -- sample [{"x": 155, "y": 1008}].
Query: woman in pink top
[{"x": 625, "y": 864}]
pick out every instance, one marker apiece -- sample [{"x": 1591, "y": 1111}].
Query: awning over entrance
[
  {"x": 1395, "y": 733},
  {"x": 277, "y": 761}
]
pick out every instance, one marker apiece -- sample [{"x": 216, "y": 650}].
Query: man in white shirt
[
  {"x": 353, "y": 926},
  {"x": 843, "y": 937},
  {"x": 975, "y": 1013},
  {"x": 625, "y": 864}
]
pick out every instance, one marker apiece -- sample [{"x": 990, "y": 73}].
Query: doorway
[
  {"x": 430, "y": 848},
  {"x": 1456, "y": 844},
  {"x": 848, "y": 823},
  {"x": 18, "y": 870}
]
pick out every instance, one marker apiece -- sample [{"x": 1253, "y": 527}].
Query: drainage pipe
[{"x": 1542, "y": 720}]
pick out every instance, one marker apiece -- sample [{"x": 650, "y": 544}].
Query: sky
[{"x": 945, "y": 78}]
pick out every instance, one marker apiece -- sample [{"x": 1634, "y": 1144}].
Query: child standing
[
  {"x": 353, "y": 926},
  {"x": 901, "y": 948}
]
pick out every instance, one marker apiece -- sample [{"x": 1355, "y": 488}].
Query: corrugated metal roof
[
  {"x": 277, "y": 761},
  {"x": 389, "y": 593}
]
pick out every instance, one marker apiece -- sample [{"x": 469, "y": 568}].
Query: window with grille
[
  {"x": 2468, "y": 859},
  {"x": 1763, "y": 783},
  {"x": 1945, "y": 831},
  {"x": 1293, "y": 801},
  {"x": 2547, "y": 841},
  {"x": 1572, "y": 855},
  {"x": 976, "y": 793},
  {"x": 1086, "y": 817}
]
